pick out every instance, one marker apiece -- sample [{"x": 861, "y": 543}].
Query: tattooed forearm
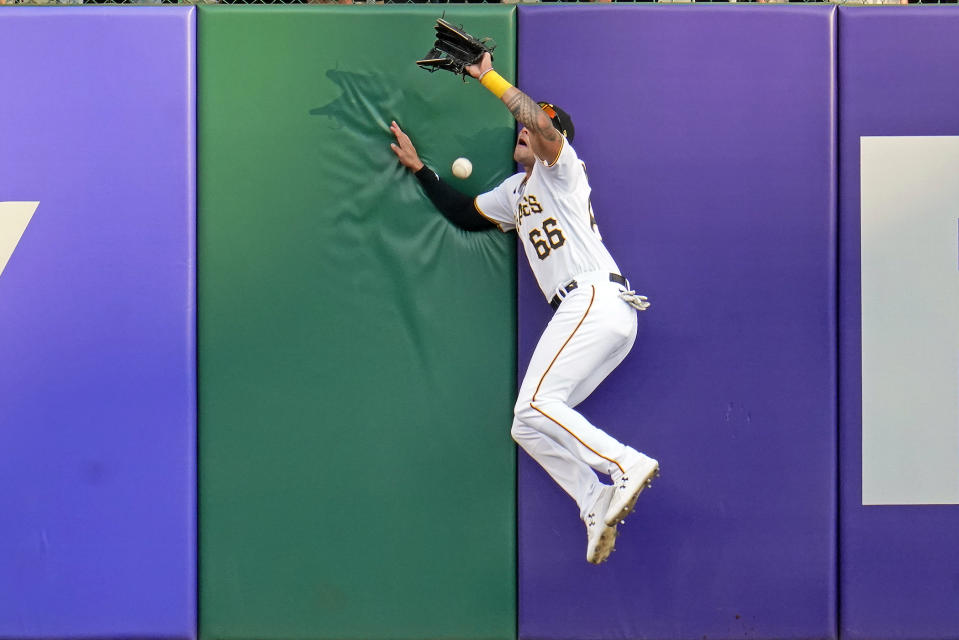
[{"x": 531, "y": 116}]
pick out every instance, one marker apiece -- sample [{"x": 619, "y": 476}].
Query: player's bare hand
[
  {"x": 485, "y": 64},
  {"x": 404, "y": 149}
]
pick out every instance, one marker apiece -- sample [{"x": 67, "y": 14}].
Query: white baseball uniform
[{"x": 589, "y": 335}]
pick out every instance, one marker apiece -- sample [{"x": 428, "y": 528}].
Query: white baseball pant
[{"x": 589, "y": 335}]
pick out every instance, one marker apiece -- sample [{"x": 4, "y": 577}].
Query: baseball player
[{"x": 594, "y": 324}]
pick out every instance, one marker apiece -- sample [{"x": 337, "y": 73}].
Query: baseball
[{"x": 462, "y": 168}]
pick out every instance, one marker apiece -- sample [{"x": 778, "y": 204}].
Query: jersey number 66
[{"x": 554, "y": 236}]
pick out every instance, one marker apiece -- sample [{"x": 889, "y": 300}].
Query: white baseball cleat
[
  {"x": 600, "y": 538},
  {"x": 628, "y": 486}
]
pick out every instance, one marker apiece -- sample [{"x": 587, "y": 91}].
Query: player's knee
[
  {"x": 534, "y": 414},
  {"x": 523, "y": 412}
]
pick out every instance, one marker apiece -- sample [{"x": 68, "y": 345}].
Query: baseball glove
[{"x": 454, "y": 49}]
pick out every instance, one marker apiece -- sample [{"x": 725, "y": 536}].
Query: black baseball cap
[{"x": 560, "y": 119}]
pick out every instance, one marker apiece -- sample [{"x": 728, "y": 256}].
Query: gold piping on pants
[
  {"x": 577, "y": 437},
  {"x": 543, "y": 377},
  {"x": 537, "y": 409}
]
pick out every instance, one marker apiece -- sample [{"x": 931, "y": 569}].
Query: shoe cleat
[
  {"x": 600, "y": 537},
  {"x": 633, "y": 482}
]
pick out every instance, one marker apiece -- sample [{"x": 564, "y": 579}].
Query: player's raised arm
[{"x": 546, "y": 141}]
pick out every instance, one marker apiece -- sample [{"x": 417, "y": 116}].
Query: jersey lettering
[
  {"x": 527, "y": 206},
  {"x": 592, "y": 218}
]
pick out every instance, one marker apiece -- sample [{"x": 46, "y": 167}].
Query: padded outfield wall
[
  {"x": 358, "y": 354},
  {"x": 712, "y": 167},
  {"x": 356, "y": 350},
  {"x": 899, "y": 323},
  {"x": 97, "y": 314}
]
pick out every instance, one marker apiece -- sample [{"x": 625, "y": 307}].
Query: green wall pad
[{"x": 357, "y": 352}]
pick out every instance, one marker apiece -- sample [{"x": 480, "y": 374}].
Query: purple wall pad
[
  {"x": 899, "y": 565},
  {"x": 97, "y": 387},
  {"x": 713, "y": 174}
]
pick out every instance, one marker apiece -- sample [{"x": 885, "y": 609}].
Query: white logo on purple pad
[
  {"x": 910, "y": 319},
  {"x": 14, "y": 218}
]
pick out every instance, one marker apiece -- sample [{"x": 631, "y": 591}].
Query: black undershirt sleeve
[{"x": 455, "y": 206}]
